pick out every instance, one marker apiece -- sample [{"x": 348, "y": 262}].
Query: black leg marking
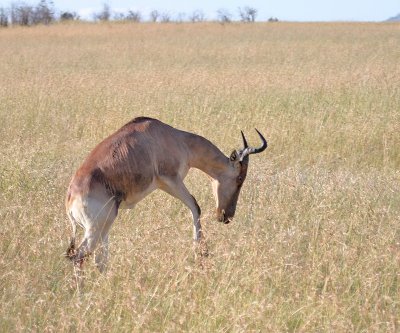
[{"x": 197, "y": 206}]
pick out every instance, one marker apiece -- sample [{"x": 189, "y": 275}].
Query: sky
[{"x": 287, "y": 10}]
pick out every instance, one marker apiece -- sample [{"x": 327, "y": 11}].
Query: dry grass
[{"x": 315, "y": 246}]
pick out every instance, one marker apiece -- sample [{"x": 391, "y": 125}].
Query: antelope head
[{"x": 227, "y": 187}]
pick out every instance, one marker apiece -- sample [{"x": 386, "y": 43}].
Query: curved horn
[
  {"x": 252, "y": 150},
  {"x": 264, "y": 145},
  {"x": 244, "y": 140}
]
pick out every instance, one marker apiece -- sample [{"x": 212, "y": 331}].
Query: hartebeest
[{"x": 142, "y": 156}]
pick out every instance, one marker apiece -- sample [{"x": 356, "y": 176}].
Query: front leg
[
  {"x": 175, "y": 187},
  {"x": 196, "y": 212}
]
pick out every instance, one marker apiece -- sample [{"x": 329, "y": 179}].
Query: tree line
[{"x": 19, "y": 13}]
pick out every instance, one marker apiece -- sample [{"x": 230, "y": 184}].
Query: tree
[
  {"x": 119, "y": 16},
  {"x": 154, "y": 15},
  {"x": 134, "y": 16},
  {"x": 180, "y": 17},
  {"x": 3, "y": 17},
  {"x": 197, "y": 16},
  {"x": 224, "y": 16},
  {"x": 44, "y": 12},
  {"x": 247, "y": 14},
  {"x": 22, "y": 14},
  {"x": 166, "y": 17},
  {"x": 104, "y": 14}
]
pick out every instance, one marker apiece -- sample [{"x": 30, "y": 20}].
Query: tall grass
[{"x": 315, "y": 245}]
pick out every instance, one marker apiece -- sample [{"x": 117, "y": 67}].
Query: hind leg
[
  {"x": 90, "y": 244},
  {"x": 101, "y": 255},
  {"x": 87, "y": 246},
  {"x": 83, "y": 251},
  {"x": 101, "y": 252},
  {"x": 96, "y": 217}
]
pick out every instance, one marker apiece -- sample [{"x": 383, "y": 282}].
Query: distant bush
[{"x": 68, "y": 16}]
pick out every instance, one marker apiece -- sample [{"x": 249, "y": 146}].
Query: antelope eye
[{"x": 240, "y": 178}]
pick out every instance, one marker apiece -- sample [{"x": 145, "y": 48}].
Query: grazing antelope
[{"x": 142, "y": 156}]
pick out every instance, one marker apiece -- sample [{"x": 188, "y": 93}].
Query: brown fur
[
  {"x": 141, "y": 156},
  {"x": 128, "y": 160}
]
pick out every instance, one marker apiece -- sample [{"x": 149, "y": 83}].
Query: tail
[{"x": 71, "y": 250}]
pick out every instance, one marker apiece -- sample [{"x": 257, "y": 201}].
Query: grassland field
[{"x": 315, "y": 244}]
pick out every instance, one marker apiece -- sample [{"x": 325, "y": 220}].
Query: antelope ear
[{"x": 234, "y": 156}]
